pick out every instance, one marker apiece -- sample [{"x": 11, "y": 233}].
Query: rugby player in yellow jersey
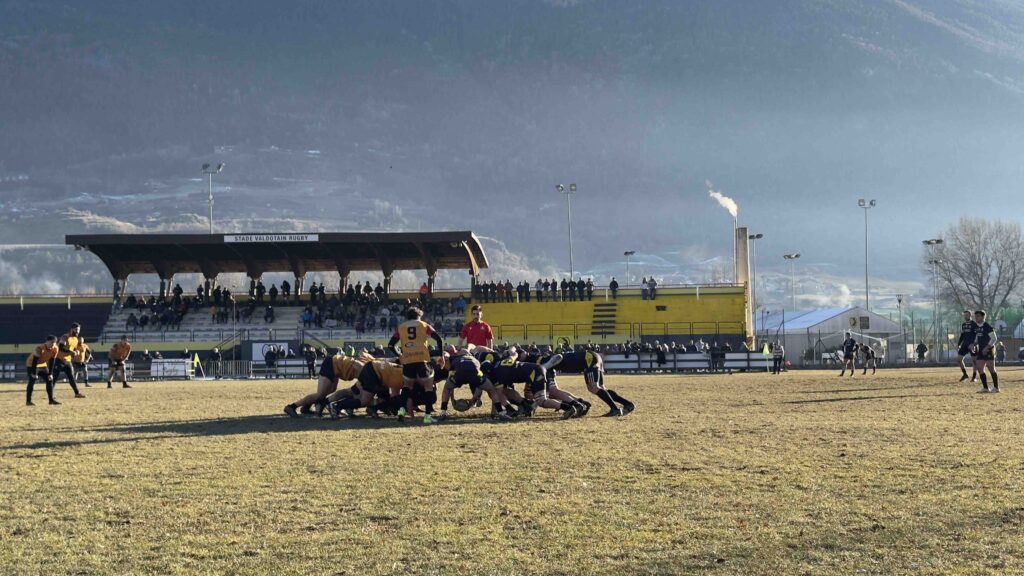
[
  {"x": 338, "y": 367},
  {"x": 82, "y": 357},
  {"x": 379, "y": 379},
  {"x": 38, "y": 366},
  {"x": 66, "y": 345},
  {"x": 414, "y": 356},
  {"x": 117, "y": 356}
]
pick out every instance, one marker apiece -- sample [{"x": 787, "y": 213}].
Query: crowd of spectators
[{"x": 543, "y": 289}]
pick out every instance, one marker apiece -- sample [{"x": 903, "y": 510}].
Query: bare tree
[{"x": 980, "y": 263}]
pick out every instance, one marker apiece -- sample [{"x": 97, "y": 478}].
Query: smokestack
[{"x": 742, "y": 256}]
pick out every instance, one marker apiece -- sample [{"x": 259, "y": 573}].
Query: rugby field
[{"x": 903, "y": 473}]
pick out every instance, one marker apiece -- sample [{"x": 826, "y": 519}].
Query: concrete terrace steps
[{"x": 604, "y": 318}]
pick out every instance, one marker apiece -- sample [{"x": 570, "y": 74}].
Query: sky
[{"x": 430, "y": 115}]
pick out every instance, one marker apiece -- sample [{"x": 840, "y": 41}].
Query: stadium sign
[{"x": 242, "y": 238}]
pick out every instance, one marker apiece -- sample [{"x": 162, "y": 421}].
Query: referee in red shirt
[{"x": 476, "y": 332}]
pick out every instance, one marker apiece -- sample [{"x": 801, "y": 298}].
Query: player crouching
[
  {"x": 338, "y": 367},
  {"x": 38, "y": 366},
  {"x": 591, "y": 366},
  {"x": 465, "y": 369},
  {"x": 509, "y": 372}
]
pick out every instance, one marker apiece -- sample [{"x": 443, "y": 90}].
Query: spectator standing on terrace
[
  {"x": 499, "y": 291},
  {"x": 613, "y": 286},
  {"x": 424, "y": 292},
  {"x": 643, "y": 288},
  {"x": 379, "y": 291},
  {"x": 323, "y": 291},
  {"x": 260, "y": 291},
  {"x": 590, "y": 288},
  {"x": 476, "y": 332},
  {"x": 273, "y": 295},
  {"x": 539, "y": 288},
  {"x": 252, "y": 288},
  {"x": 132, "y": 322},
  {"x": 564, "y": 287},
  {"x": 652, "y": 285},
  {"x": 200, "y": 295},
  {"x": 268, "y": 315},
  {"x": 313, "y": 293},
  {"x": 508, "y": 290},
  {"x": 581, "y": 288},
  {"x": 286, "y": 291}
]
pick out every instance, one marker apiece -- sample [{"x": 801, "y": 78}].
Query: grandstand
[{"x": 680, "y": 313}]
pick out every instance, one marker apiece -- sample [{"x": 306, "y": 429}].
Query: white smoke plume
[{"x": 723, "y": 200}]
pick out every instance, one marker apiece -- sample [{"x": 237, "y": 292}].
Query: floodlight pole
[
  {"x": 866, "y": 205},
  {"x": 209, "y": 173},
  {"x": 753, "y": 271},
  {"x": 903, "y": 332},
  {"x": 935, "y": 286},
  {"x": 792, "y": 275},
  {"x": 568, "y": 206}
]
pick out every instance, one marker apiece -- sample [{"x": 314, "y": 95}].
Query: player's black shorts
[
  {"x": 847, "y": 356},
  {"x": 468, "y": 374},
  {"x": 986, "y": 354},
  {"x": 370, "y": 382},
  {"x": 964, "y": 350},
  {"x": 116, "y": 364},
  {"x": 37, "y": 371},
  {"x": 327, "y": 369},
  {"x": 416, "y": 370}
]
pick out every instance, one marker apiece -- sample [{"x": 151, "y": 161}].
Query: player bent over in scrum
[
  {"x": 591, "y": 365},
  {"x": 984, "y": 352},
  {"x": 117, "y": 356},
  {"x": 465, "y": 369},
  {"x": 338, "y": 367},
  {"x": 509, "y": 372},
  {"x": 378, "y": 380},
  {"x": 414, "y": 355},
  {"x": 38, "y": 366}
]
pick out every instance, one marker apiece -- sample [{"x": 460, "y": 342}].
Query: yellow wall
[{"x": 714, "y": 310}]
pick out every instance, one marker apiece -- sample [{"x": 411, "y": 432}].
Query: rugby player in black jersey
[
  {"x": 849, "y": 353},
  {"x": 867, "y": 355},
  {"x": 968, "y": 334},
  {"x": 509, "y": 372},
  {"x": 984, "y": 352},
  {"x": 464, "y": 370},
  {"x": 591, "y": 366}
]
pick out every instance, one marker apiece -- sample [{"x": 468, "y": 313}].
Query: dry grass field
[{"x": 903, "y": 473}]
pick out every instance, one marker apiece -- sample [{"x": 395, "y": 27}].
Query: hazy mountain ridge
[{"x": 465, "y": 114}]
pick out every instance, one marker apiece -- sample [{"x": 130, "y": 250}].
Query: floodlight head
[
  {"x": 629, "y": 252},
  {"x": 221, "y": 167},
  {"x": 206, "y": 167},
  {"x": 559, "y": 187},
  {"x": 572, "y": 187},
  {"x": 872, "y": 203},
  {"x": 860, "y": 202},
  {"x": 755, "y": 236}
]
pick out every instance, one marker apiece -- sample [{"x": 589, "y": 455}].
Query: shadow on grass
[
  {"x": 261, "y": 424},
  {"x": 857, "y": 398},
  {"x": 893, "y": 388}
]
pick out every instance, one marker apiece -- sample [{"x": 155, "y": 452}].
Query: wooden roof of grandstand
[{"x": 257, "y": 253}]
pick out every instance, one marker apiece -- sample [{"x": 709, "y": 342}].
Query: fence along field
[{"x": 903, "y": 473}]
